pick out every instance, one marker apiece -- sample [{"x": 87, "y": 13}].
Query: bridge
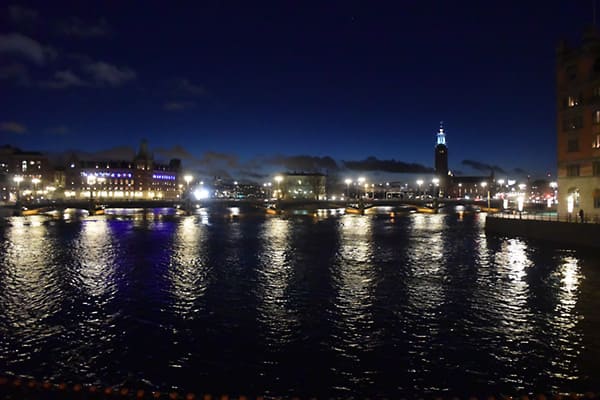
[{"x": 358, "y": 206}]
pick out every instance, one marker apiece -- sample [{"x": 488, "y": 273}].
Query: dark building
[
  {"x": 441, "y": 160},
  {"x": 578, "y": 124}
]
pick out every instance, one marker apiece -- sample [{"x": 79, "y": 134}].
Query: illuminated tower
[{"x": 441, "y": 159}]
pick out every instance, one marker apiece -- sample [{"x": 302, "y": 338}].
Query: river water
[{"x": 324, "y": 305}]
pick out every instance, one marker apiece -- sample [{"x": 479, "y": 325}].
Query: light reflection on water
[{"x": 323, "y": 304}]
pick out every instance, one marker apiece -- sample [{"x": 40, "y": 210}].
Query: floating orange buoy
[
  {"x": 108, "y": 391},
  {"x": 47, "y": 385},
  {"x": 190, "y": 396},
  {"x": 139, "y": 394},
  {"x": 62, "y": 386},
  {"x": 156, "y": 395},
  {"x": 92, "y": 389},
  {"x": 173, "y": 395},
  {"x": 124, "y": 391},
  {"x": 31, "y": 384},
  {"x": 77, "y": 388},
  {"x": 207, "y": 397},
  {"x": 17, "y": 382}
]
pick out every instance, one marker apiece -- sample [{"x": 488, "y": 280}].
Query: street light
[
  {"x": 436, "y": 183},
  {"x": 484, "y": 185},
  {"x": 188, "y": 179},
  {"x": 278, "y": 179},
  {"x": 348, "y": 182},
  {"x": 361, "y": 180},
  {"x": 419, "y": 184},
  {"x": 18, "y": 179}
]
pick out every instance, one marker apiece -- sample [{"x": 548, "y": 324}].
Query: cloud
[
  {"x": 176, "y": 151},
  {"x": 184, "y": 86},
  {"x": 304, "y": 163},
  {"x": 13, "y": 127},
  {"x": 479, "y": 166},
  {"x": 76, "y": 27},
  {"x": 64, "y": 79},
  {"x": 22, "y": 15},
  {"x": 374, "y": 164},
  {"x": 179, "y": 105},
  {"x": 16, "y": 73},
  {"x": 107, "y": 74},
  {"x": 210, "y": 158},
  {"x": 520, "y": 171},
  {"x": 59, "y": 130},
  {"x": 26, "y": 47}
]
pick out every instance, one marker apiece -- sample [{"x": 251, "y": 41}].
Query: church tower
[{"x": 441, "y": 160}]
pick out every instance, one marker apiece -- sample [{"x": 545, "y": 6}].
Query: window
[
  {"x": 596, "y": 142},
  {"x": 573, "y": 170},
  {"x": 596, "y": 117},
  {"x": 24, "y": 166},
  {"x": 573, "y": 101},
  {"x": 596, "y": 168},
  {"x": 570, "y": 124},
  {"x": 573, "y": 145}
]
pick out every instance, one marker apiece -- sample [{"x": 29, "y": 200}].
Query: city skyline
[{"x": 257, "y": 89}]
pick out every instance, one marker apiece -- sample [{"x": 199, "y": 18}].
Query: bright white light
[
  {"x": 522, "y": 186},
  {"x": 419, "y": 182},
  {"x": 505, "y": 203},
  {"x": 278, "y": 178},
  {"x": 511, "y": 182},
  {"x": 361, "y": 180},
  {"x": 520, "y": 202},
  {"x": 500, "y": 182},
  {"x": 18, "y": 179},
  {"x": 35, "y": 181},
  {"x": 201, "y": 194},
  {"x": 483, "y": 184},
  {"x": 553, "y": 185},
  {"x": 188, "y": 179},
  {"x": 435, "y": 181},
  {"x": 570, "y": 203},
  {"x": 348, "y": 181}
]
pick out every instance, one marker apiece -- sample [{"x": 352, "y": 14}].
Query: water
[{"x": 325, "y": 305}]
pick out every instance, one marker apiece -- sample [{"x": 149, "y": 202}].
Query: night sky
[{"x": 245, "y": 88}]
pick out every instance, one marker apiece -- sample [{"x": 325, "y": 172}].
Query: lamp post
[
  {"x": 361, "y": 180},
  {"x": 436, "y": 184},
  {"x": 484, "y": 185},
  {"x": 348, "y": 182},
  {"x": 278, "y": 179},
  {"x": 18, "y": 179},
  {"x": 35, "y": 182},
  {"x": 419, "y": 184}
]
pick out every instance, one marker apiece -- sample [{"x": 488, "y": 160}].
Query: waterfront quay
[{"x": 567, "y": 230}]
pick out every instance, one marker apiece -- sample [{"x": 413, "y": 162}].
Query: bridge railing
[{"x": 545, "y": 216}]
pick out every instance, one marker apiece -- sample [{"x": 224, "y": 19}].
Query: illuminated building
[
  {"x": 578, "y": 125},
  {"x": 31, "y": 167},
  {"x": 140, "y": 178}
]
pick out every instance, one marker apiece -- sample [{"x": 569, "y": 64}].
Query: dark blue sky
[{"x": 253, "y": 83}]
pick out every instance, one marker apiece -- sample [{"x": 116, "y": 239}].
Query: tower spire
[{"x": 441, "y": 136}]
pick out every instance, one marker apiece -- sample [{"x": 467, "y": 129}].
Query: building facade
[
  {"x": 22, "y": 172},
  {"x": 140, "y": 178},
  {"x": 578, "y": 125}
]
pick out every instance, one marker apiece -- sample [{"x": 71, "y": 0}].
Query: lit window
[
  {"x": 573, "y": 101},
  {"x": 596, "y": 117},
  {"x": 596, "y": 142}
]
